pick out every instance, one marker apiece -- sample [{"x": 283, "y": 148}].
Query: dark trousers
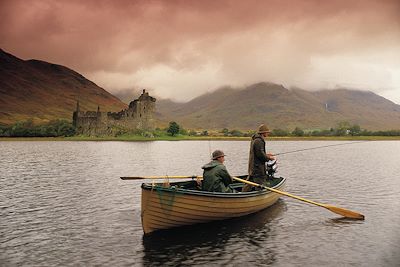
[{"x": 262, "y": 180}]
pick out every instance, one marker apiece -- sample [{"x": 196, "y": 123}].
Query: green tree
[
  {"x": 183, "y": 131},
  {"x": 355, "y": 130},
  {"x": 4, "y": 131},
  {"x": 173, "y": 128},
  {"x": 279, "y": 132},
  {"x": 236, "y": 133},
  {"x": 342, "y": 128},
  {"x": 298, "y": 132},
  {"x": 24, "y": 128},
  {"x": 62, "y": 127},
  {"x": 225, "y": 131},
  {"x": 50, "y": 131},
  {"x": 321, "y": 133}
]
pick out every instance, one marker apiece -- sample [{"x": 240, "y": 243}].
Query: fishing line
[
  {"x": 209, "y": 147},
  {"x": 294, "y": 151}
]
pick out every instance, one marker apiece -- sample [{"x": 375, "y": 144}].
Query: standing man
[
  {"x": 258, "y": 157},
  {"x": 215, "y": 176}
]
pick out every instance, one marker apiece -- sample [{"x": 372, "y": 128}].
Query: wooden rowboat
[{"x": 182, "y": 203}]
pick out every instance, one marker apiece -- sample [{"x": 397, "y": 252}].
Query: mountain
[
  {"x": 279, "y": 107},
  {"x": 44, "y": 91}
]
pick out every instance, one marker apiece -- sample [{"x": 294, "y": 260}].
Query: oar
[
  {"x": 159, "y": 177},
  {"x": 341, "y": 211}
]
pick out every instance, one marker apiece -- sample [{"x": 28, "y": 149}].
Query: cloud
[{"x": 182, "y": 49}]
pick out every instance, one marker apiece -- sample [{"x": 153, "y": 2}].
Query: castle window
[{"x": 140, "y": 115}]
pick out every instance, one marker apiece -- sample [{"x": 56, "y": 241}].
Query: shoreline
[{"x": 201, "y": 138}]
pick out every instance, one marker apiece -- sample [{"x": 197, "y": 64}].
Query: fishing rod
[{"x": 299, "y": 150}]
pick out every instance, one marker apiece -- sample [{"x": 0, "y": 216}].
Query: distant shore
[{"x": 135, "y": 138}]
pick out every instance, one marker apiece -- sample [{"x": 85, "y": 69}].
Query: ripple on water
[{"x": 62, "y": 203}]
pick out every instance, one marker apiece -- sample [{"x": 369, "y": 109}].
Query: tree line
[
  {"x": 54, "y": 128},
  {"x": 63, "y": 128},
  {"x": 343, "y": 128}
]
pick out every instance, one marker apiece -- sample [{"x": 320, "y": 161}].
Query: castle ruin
[{"x": 138, "y": 116}]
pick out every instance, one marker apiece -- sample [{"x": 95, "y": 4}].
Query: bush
[
  {"x": 236, "y": 133},
  {"x": 298, "y": 132},
  {"x": 28, "y": 129},
  {"x": 355, "y": 130},
  {"x": 183, "y": 131},
  {"x": 225, "y": 131},
  {"x": 148, "y": 134},
  {"x": 173, "y": 128},
  {"x": 192, "y": 133},
  {"x": 4, "y": 131},
  {"x": 279, "y": 132},
  {"x": 342, "y": 128},
  {"x": 62, "y": 128}
]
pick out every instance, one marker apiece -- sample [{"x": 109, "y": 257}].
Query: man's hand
[{"x": 271, "y": 156}]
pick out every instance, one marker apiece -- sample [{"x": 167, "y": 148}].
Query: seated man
[{"x": 215, "y": 176}]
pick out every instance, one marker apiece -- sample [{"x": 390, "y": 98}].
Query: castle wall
[{"x": 139, "y": 116}]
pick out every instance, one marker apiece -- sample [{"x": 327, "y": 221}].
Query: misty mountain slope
[
  {"x": 362, "y": 107},
  {"x": 246, "y": 108},
  {"x": 44, "y": 91},
  {"x": 198, "y": 104}
]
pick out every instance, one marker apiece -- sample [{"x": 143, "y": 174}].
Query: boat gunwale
[{"x": 159, "y": 187}]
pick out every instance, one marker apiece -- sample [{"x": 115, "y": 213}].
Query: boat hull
[{"x": 172, "y": 206}]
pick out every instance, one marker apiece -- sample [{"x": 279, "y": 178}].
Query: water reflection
[
  {"x": 63, "y": 204},
  {"x": 203, "y": 243},
  {"x": 343, "y": 221}
]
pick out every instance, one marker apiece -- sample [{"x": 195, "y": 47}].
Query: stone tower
[{"x": 138, "y": 116}]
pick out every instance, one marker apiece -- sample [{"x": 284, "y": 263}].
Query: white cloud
[
  {"x": 167, "y": 82},
  {"x": 184, "y": 49}
]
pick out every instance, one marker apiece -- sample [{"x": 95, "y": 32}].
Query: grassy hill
[
  {"x": 44, "y": 91},
  {"x": 279, "y": 107}
]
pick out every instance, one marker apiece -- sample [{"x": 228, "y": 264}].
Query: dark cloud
[{"x": 184, "y": 48}]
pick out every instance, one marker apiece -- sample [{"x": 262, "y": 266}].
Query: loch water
[{"x": 63, "y": 204}]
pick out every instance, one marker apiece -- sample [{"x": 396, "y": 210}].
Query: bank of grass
[{"x": 188, "y": 137}]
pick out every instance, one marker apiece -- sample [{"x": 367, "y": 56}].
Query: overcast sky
[{"x": 181, "y": 49}]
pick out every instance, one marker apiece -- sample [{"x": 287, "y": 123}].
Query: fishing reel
[{"x": 272, "y": 167}]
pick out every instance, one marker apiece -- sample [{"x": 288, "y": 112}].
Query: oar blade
[
  {"x": 132, "y": 178},
  {"x": 345, "y": 212}
]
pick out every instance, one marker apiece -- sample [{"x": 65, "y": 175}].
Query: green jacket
[
  {"x": 216, "y": 177},
  {"x": 257, "y": 156}
]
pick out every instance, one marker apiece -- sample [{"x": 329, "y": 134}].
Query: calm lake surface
[{"x": 63, "y": 204}]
